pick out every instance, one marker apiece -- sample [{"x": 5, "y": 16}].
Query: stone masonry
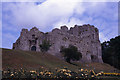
[{"x": 85, "y": 38}]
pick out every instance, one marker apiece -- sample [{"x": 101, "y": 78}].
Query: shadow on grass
[{"x": 73, "y": 64}]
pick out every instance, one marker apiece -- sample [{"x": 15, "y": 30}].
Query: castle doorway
[
  {"x": 93, "y": 58},
  {"x": 33, "y": 48}
]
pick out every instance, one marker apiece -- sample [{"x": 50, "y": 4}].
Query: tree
[
  {"x": 111, "y": 52},
  {"x": 44, "y": 47},
  {"x": 71, "y": 53}
]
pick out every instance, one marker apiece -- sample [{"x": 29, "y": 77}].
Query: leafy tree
[
  {"x": 44, "y": 47},
  {"x": 111, "y": 52},
  {"x": 71, "y": 53}
]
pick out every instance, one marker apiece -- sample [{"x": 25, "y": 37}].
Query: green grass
[
  {"x": 34, "y": 60},
  {"x": 97, "y": 67}
]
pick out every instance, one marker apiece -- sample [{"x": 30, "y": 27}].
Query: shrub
[
  {"x": 71, "y": 53},
  {"x": 44, "y": 47}
]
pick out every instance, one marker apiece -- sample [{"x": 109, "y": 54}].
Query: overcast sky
[{"x": 50, "y": 14}]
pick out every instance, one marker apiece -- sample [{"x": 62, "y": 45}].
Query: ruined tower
[{"x": 85, "y": 38}]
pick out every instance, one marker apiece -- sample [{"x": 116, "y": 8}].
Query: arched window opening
[
  {"x": 33, "y": 48},
  {"x": 33, "y": 36},
  {"x": 93, "y": 58}
]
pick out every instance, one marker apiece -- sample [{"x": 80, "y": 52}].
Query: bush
[
  {"x": 44, "y": 47},
  {"x": 71, "y": 53},
  {"x": 111, "y": 52}
]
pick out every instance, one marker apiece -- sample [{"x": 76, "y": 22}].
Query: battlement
[
  {"x": 77, "y": 29},
  {"x": 34, "y": 29}
]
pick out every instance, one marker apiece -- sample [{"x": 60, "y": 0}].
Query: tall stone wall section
[{"x": 85, "y": 38}]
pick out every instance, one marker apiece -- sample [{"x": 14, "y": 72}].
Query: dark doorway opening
[
  {"x": 33, "y": 48},
  {"x": 94, "y": 58}
]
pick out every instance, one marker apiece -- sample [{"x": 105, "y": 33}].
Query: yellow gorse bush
[
  {"x": 41, "y": 73},
  {"x": 33, "y": 71},
  {"x": 59, "y": 73},
  {"x": 111, "y": 73}
]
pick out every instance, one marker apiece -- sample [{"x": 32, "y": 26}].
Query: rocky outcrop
[{"x": 85, "y": 38}]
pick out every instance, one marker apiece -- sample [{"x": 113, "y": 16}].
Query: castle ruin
[{"x": 85, "y": 38}]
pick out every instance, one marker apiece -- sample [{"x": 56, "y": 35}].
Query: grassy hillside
[
  {"x": 34, "y": 60},
  {"x": 31, "y": 60}
]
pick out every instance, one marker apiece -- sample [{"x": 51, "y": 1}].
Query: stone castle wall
[{"x": 85, "y": 38}]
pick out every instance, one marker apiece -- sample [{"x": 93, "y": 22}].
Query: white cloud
[
  {"x": 57, "y": 0},
  {"x": 102, "y": 37},
  {"x": 22, "y": 0},
  {"x": 55, "y": 13},
  {"x": 71, "y": 23},
  {"x": 43, "y": 15}
]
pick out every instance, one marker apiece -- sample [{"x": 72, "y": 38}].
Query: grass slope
[
  {"x": 31, "y": 60},
  {"x": 34, "y": 60}
]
